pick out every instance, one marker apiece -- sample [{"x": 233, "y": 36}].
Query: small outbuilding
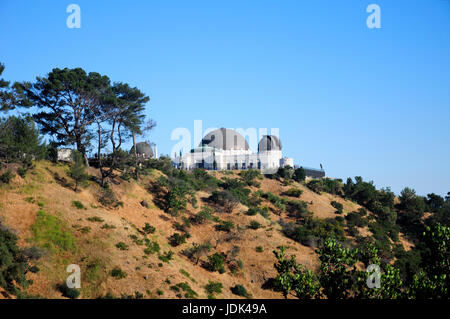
[{"x": 65, "y": 154}]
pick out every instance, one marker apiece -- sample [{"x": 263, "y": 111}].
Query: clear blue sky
[{"x": 368, "y": 102}]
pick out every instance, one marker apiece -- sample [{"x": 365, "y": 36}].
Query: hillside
[{"x": 81, "y": 228}]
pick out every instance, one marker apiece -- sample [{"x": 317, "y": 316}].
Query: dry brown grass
[{"x": 146, "y": 274}]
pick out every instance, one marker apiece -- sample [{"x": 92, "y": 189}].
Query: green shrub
[
  {"x": 118, "y": 273},
  {"x": 249, "y": 176},
  {"x": 13, "y": 265},
  {"x": 225, "y": 199},
  {"x": 95, "y": 219},
  {"x": 34, "y": 269},
  {"x": 189, "y": 293},
  {"x": 148, "y": 229},
  {"x": 215, "y": 262},
  {"x": 225, "y": 226},
  {"x": 316, "y": 185},
  {"x": 212, "y": 288},
  {"x": 6, "y": 177},
  {"x": 107, "y": 226},
  {"x": 339, "y": 207},
  {"x": 355, "y": 219},
  {"x": 264, "y": 212},
  {"x": 85, "y": 229},
  {"x": 106, "y": 196},
  {"x": 204, "y": 215},
  {"x": 259, "y": 249},
  {"x": 252, "y": 211},
  {"x": 313, "y": 230},
  {"x": 254, "y": 225},
  {"x": 240, "y": 290},
  {"x": 293, "y": 192},
  {"x": 78, "y": 204},
  {"x": 22, "y": 171},
  {"x": 177, "y": 239},
  {"x": 299, "y": 175},
  {"x": 197, "y": 251},
  {"x": 122, "y": 246},
  {"x": 166, "y": 257},
  {"x": 71, "y": 293},
  {"x": 152, "y": 247}
]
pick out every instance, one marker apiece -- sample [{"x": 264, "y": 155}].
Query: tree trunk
[
  {"x": 135, "y": 156},
  {"x": 86, "y": 160},
  {"x": 134, "y": 144}
]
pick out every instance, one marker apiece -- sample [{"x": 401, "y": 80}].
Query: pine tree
[
  {"x": 78, "y": 169},
  {"x": 20, "y": 140}
]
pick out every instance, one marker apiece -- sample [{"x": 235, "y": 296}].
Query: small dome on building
[
  {"x": 143, "y": 149},
  {"x": 269, "y": 143},
  {"x": 225, "y": 139}
]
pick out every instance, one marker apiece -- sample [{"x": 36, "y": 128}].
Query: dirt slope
[{"x": 95, "y": 244}]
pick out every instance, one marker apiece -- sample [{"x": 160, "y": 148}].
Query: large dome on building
[
  {"x": 142, "y": 149},
  {"x": 269, "y": 143},
  {"x": 225, "y": 139}
]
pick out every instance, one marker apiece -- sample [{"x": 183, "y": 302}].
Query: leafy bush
[
  {"x": 293, "y": 192},
  {"x": 240, "y": 290},
  {"x": 106, "y": 197},
  {"x": 225, "y": 226},
  {"x": 252, "y": 211},
  {"x": 355, "y": 219},
  {"x": 118, "y": 273},
  {"x": 259, "y": 249},
  {"x": 95, "y": 219},
  {"x": 166, "y": 257},
  {"x": 13, "y": 264},
  {"x": 237, "y": 188},
  {"x": 249, "y": 176},
  {"x": 298, "y": 209},
  {"x": 6, "y": 177},
  {"x": 339, "y": 207},
  {"x": 316, "y": 185},
  {"x": 148, "y": 229},
  {"x": 122, "y": 246},
  {"x": 23, "y": 170},
  {"x": 189, "y": 293},
  {"x": 299, "y": 175},
  {"x": 177, "y": 239},
  {"x": 152, "y": 247},
  {"x": 254, "y": 225},
  {"x": 215, "y": 262},
  {"x": 78, "y": 204},
  {"x": 204, "y": 215},
  {"x": 197, "y": 251},
  {"x": 292, "y": 277},
  {"x": 313, "y": 230},
  {"x": 108, "y": 226},
  {"x": 226, "y": 200},
  {"x": 212, "y": 288},
  {"x": 71, "y": 293}
]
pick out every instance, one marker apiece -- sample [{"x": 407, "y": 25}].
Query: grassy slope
[{"x": 96, "y": 253}]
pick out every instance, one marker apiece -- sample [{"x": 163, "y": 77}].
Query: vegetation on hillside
[{"x": 366, "y": 226}]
